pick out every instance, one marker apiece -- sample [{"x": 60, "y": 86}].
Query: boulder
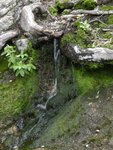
[{"x": 97, "y": 54}]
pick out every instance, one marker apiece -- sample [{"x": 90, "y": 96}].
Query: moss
[
  {"x": 80, "y": 38},
  {"x": 85, "y": 4},
  {"x": 80, "y": 35},
  {"x": 107, "y": 35},
  {"x": 106, "y": 7},
  {"x": 86, "y": 79},
  {"x": 59, "y": 6},
  {"x": 53, "y": 11},
  {"x": 66, "y": 12},
  {"x": 66, "y": 121},
  {"x": 110, "y": 20},
  {"x": 95, "y": 139},
  {"x": 15, "y": 93},
  {"x": 102, "y": 25},
  {"x": 93, "y": 65},
  {"x": 68, "y": 38},
  {"x": 3, "y": 66}
]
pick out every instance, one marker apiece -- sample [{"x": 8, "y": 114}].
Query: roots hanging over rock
[
  {"x": 8, "y": 35},
  {"x": 35, "y": 21}
]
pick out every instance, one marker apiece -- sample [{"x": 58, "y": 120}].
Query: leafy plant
[
  {"x": 19, "y": 62},
  {"x": 83, "y": 25}
]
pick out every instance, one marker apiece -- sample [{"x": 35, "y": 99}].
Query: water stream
[{"x": 54, "y": 88}]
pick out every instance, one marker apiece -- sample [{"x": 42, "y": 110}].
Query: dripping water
[{"x": 53, "y": 92}]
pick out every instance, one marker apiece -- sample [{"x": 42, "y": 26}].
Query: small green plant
[
  {"x": 83, "y": 25},
  {"x": 20, "y": 62},
  {"x": 53, "y": 11}
]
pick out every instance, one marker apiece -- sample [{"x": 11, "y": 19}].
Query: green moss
[
  {"x": 53, "y": 11},
  {"x": 93, "y": 65},
  {"x": 86, "y": 4},
  {"x": 68, "y": 38},
  {"x": 110, "y": 20},
  {"x": 80, "y": 38},
  {"x": 3, "y": 66},
  {"x": 59, "y": 6},
  {"x": 66, "y": 121},
  {"x": 15, "y": 92},
  {"x": 66, "y": 12},
  {"x": 86, "y": 79},
  {"x": 102, "y": 25},
  {"x": 106, "y": 7},
  {"x": 16, "y": 95},
  {"x": 107, "y": 35}
]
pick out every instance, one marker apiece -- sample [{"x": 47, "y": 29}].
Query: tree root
[{"x": 7, "y": 36}]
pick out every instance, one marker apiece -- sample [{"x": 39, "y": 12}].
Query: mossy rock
[
  {"x": 80, "y": 37},
  {"x": 66, "y": 12},
  {"x": 106, "y": 7},
  {"x": 110, "y": 20},
  {"x": 91, "y": 76},
  {"x": 60, "y": 6},
  {"x": 15, "y": 92},
  {"x": 85, "y": 4}
]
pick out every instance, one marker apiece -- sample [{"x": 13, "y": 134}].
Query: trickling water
[
  {"x": 53, "y": 92},
  {"x": 56, "y": 65}
]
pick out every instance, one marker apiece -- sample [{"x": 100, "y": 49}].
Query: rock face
[{"x": 96, "y": 54}]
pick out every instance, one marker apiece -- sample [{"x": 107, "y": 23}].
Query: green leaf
[{"x": 20, "y": 62}]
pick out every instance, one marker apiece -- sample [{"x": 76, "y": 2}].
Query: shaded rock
[
  {"x": 22, "y": 44},
  {"x": 97, "y": 54}
]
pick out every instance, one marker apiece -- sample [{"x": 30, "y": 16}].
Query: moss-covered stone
[
  {"x": 85, "y": 4},
  {"x": 68, "y": 38},
  {"x": 66, "y": 12},
  {"x": 87, "y": 79},
  {"x": 80, "y": 38},
  {"x": 15, "y": 92},
  {"x": 110, "y": 20},
  {"x": 60, "y": 6},
  {"x": 53, "y": 11},
  {"x": 106, "y": 7}
]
